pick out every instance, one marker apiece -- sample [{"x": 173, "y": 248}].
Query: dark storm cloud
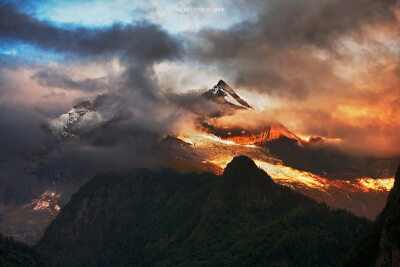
[
  {"x": 291, "y": 23},
  {"x": 265, "y": 54},
  {"x": 136, "y": 117},
  {"x": 137, "y": 45},
  {"x": 52, "y": 78},
  {"x": 141, "y": 41}
]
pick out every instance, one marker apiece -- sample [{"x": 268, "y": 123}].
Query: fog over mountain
[
  {"x": 306, "y": 88},
  {"x": 298, "y": 58}
]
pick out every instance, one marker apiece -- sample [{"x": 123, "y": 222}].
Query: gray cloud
[
  {"x": 138, "y": 45},
  {"x": 139, "y": 113},
  {"x": 16, "y": 139},
  {"x": 274, "y": 53},
  {"x": 141, "y": 41},
  {"x": 52, "y": 78}
]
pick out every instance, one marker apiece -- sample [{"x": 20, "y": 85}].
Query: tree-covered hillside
[
  {"x": 163, "y": 217},
  {"x": 14, "y": 253}
]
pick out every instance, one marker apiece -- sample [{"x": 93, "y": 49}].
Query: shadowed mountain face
[
  {"x": 380, "y": 245},
  {"x": 163, "y": 217}
]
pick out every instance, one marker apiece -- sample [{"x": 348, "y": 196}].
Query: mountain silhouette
[{"x": 163, "y": 217}]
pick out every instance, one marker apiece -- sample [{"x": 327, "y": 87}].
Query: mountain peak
[
  {"x": 222, "y": 93},
  {"x": 244, "y": 168},
  {"x": 221, "y": 83},
  {"x": 241, "y": 163}
]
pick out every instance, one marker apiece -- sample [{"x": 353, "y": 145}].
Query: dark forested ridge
[
  {"x": 380, "y": 245},
  {"x": 14, "y": 253},
  {"x": 163, "y": 217}
]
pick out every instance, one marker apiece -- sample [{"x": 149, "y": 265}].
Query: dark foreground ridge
[
  {"x": 14, "y": 253},
  {"x": 163, "y": 217},
  {"x": 380, "y": 245}
]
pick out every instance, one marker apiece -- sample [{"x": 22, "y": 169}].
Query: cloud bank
[{"x": 330, "y": 68}]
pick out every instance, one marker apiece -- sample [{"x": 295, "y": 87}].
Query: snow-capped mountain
[
  {"x": 85, "y": 116},
  {"x": 224, "y": 94},
  {"x": 229, "y": 102},
  {"x": 65, "y": 125},
  {"x": 89, "y": 115}
]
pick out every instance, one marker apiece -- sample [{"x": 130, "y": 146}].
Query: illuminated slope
[{"x": 363, "y": 196}]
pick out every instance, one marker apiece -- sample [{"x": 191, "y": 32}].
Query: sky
[{"x": 321, "y": 68}]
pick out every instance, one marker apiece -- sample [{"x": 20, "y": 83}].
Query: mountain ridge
[
  {"x": 222, "y": 93},
  {"x": 146, "y": 217}
]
